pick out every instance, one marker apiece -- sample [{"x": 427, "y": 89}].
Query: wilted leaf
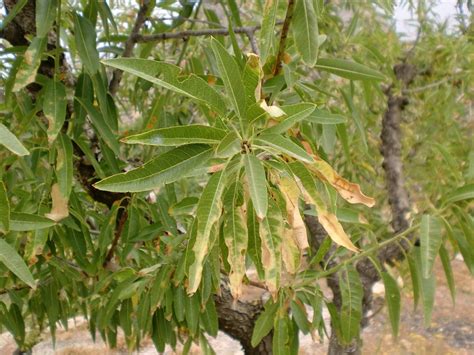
[
  {"x": 335, "y": 230},
  {"x": 349, "y": 191},
  {"x": 207, "y": 214},
  {"x": 60, "y": 208},
  {"x": 273, "y": 111}
]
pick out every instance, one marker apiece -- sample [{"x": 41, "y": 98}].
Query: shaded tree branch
[{"x": 283, "y": 36}]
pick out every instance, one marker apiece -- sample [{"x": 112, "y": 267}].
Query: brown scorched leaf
[{"x": 60, "y": 209}]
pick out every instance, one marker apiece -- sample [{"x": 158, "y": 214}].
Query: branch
[
  {"x": 248, "y": 30},
  {"x": 118, "y": 232},
  {"x": 129, "y": 44},
  {"x": 283, "y": 36}
]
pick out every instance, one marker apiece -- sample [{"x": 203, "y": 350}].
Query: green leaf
[
  {"x": 348, "y": 69},
  {"x": 295, "y": 113},
  {"x": 235, "y": 237},
  {"x": 231, "y": 76},
  {"x": 31, "y": 61},
  {"x": 299, "y": 315},
  {"x": 45, "y": 16},
  {"x": 267, "y": 32},
  {"x": 430, "y": 242},
  {"x": 4, "y": 209},
  {"x": 54, "y": 107},
  {"x": 171, "y": 78},
  {"x": 283, "y": 145},
  {"x": 448, "y": 271},
  {"x": 165, "y": 168},
  {"x": 64, "y": 165},
  {"x": 465, "y": 192},
  {"x": 351, "y": 309},
  {"x": 11, "y": 142},
  {"x": 392, "y": 297},
  {"x": 325, "y": 117},
  {"x": 271, "y": 230},
  {"x": 191, "y": 313},
  {"x": 22, "y": 222},
  {"x": 427, "y": 287},
  {"x": 254, "y": 244},
  {"x": 179, "y": 135},
  {"x": 229, "y": 145},
  {"x": 99, "y": 123},
  {"x": 281, "y": 336},
  {"x": 257, "y": 183},
  {"x": 85, "y": 37},
  {"x": 305, "y": 31},
  {"x": 10, "y": 258},
  {"x": 264, "y": 323},
  {"x": 207, "y": 214}
]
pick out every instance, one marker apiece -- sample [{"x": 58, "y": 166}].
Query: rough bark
[{"x": 237, "y": 319}]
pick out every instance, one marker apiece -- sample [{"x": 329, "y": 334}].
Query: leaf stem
[{"x": 283, "y": 36}]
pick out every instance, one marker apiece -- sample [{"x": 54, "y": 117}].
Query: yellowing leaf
[
  {"x": 349, "y": 191},
  {"x": 291, "y": 193},
  {"x": 273, "y": 111},
  {"x": 335, "y": 230},
  {"x": 290, "y": 252},
  {"x": 60, "y": 209}
]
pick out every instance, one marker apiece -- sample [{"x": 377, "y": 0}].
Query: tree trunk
[{"x": 237, "y": 319}]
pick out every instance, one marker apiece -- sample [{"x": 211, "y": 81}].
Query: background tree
[{"x": 142, "y": 200}]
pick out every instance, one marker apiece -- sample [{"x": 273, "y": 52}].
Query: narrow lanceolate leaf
[
  {"x": 294, "y": 114},
  {"x": 169, "y": 76},
  {"x": 179, "y": 135},
  {"x": 267, "y": 32},
  {"x": 281, "y": 336},
  {"x": 281, "y": 145},
  {"x": 271, "y": 229},
  {"x": 351, "y": 309},
  {"x": 307, "y": 184},
  {"x": 264, "y": 323},
  {"x": 230, "y": 75},
  {"x": 64, "y": 165},
  {"x": 54, "y": 107},
  {"x": 163, "y": 169},
  {"x": 99, "y": 123},
  {"x": 254, "y": 241},
  {"x": 335, "y": 230},
  {"x": 427, "y": 287},
  {"x": 85, "y": 37},
  {"x": 59, "y": 209},
  {"x": 349, "y": 70},
  {"x": 11, "y": 142},
  {"x": 448, "y": 271},
  {"x": 465, "y": 192},
  {"x": 291, "y": 193},
  {"x": 252, "y": 79},
  {"x": 236, "y": 238},
  {"x": 305, "y": 31},
  {"x": 22, "y": 222},
  {"x": 207, "y": 214},
  {"x": 349, "y": 191},
  {"x": 10, "y": 258},
  {"x": 430, "y": 242},
  {"x": 4, "y": 209},
  {"x": 257, "y": 183},
  {"x": 392, "y": 297},
  {"x": 325, "y": 117},
  {"x": 45, "y": 15},
  {"x": 31, "y": 60}
]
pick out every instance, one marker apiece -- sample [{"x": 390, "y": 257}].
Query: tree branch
[
  {"x": 129, "y": 44},
  {"x": 283, "y": 36}
]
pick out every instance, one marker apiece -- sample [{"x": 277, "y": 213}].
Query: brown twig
[
  {"x": 118, "y": 232},
  {"x": 129, "y": 44},
  {"x": 283, "y": 36}
]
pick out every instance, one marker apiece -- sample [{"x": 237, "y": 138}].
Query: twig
[
  {"x": 118, "y": 233},
  {"x": 129, "y": 44},
  {"x": 194, "y": 33},
  {"x": 283, "y": 36}
]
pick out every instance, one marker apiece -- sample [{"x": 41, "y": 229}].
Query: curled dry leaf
[
  {"x": 273, "y": 111},
  {"x": 60, "y": 209},
  {"x": 335, "y": 230},
  {"x": 349, "y": 191},
  {"x": 291, "y": 193}
]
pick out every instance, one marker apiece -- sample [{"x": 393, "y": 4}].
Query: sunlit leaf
[
  {"x": 430, "y": 242},
  {"x": 21, "y": 222},
  {"x": 267, "y": 32},
  {"x": 178, "y": 135},
  {"x": 11, "y": 142},
  {"x": 54, "y": 107},
  {"x": 305, "y": 30},
  {"x": 278, "y": 143},
  {"x": 349, "y": 70},
  {"x": 163, "y": 169},
  {"x": 257, "y": 183}
]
